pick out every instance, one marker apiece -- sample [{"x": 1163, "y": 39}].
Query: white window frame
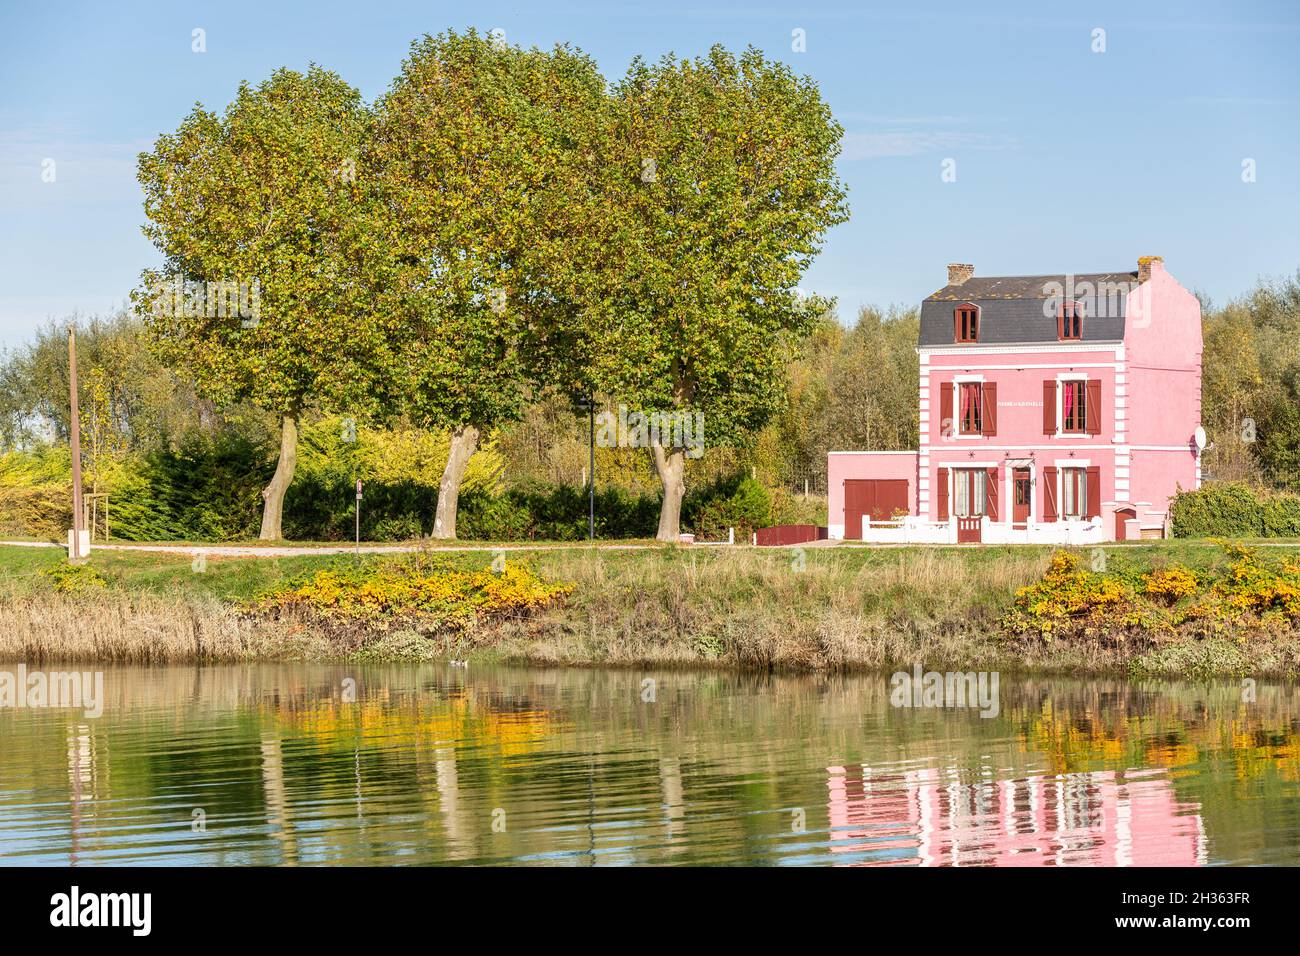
[
  {"x": 1061, "y": 379},
  {"x": 952, "y": 489},
  {"x": 1061, "y": 468},
  {"x": 957, "y": 382}
]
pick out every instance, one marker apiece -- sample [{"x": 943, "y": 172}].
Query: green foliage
[
  {"x": 130, "y": 401},
  {"x": 265, "y": 193},
  {"x": 36, "y": 493},
  {"x": 794, "y": 508},
  {"x": 557, "y": 513},
  {"x": 75, "y": 578},
  {"x": 1250, "y": 386},
  {"x": 1235, "y": 510},
  {"x": 721, "y": 184},
  {"x": 476, "y": 157},
  {"x": 738, "y": 502}
]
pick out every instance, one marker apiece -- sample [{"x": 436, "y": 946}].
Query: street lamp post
[{"x": 588, "y": 404}]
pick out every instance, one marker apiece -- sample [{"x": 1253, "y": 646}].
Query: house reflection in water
[{"x": 925, "y": 817}]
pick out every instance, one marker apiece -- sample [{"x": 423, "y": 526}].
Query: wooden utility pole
[{"x": 78, "y": 517}]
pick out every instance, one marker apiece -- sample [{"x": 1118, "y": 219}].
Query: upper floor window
[
  {"x": 971, "y": 420},
  {"x": 966, "y": 322},
  {"x": 1069, "y": 321},
  {"x": 1074, "y": 406}
]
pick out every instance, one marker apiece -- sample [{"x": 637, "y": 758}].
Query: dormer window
[
  {"x": 966, "y": 322},
  {"x": 1069, "y": 321}
]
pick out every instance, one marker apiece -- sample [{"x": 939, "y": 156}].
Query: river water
[{"x": 309, "y": 764}]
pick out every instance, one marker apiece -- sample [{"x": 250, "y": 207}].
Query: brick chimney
[
  {"x": 1144, "y": 267},
  {"x": 959, "y": 272}
]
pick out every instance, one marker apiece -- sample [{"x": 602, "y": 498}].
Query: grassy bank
[{"x": 822, "y": 609}]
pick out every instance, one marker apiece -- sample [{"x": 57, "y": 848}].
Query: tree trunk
[
  {"x": 273, "y": 494},
  {"x": 464, "y": 440},
  {"x": 670, "y": 463}
]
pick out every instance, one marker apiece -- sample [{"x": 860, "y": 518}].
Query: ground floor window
[
  {"x": 968, "y": 492},
  {"x": 1074, "y": 492}
]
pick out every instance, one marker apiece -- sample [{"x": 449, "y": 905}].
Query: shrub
[
  {"x": 398, "y": 528},
  {"x": 1070, "y": 600},
  {"x": 738, "y": 502},
  {"x": 424, "y": 593},
  {"x": 75, "y": 578},
  {"x": 1171, "y": 584},
  {"x": 1235, "y": 510},
  {"x": 791, "y": 508},
  {"x": 1252, "y": 593}
]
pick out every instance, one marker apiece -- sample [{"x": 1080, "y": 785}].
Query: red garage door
[{"x": 877, "y": 497}]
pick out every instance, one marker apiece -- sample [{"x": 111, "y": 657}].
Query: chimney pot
[
  {"x": 959, "y": 272},
  {"x": 1144, "y": 266}
]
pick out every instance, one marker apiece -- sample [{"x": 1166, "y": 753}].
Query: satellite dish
[{"x": 1198, "y": 436}]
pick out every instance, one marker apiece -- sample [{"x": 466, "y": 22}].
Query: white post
[{"x": 731, "y": 536}]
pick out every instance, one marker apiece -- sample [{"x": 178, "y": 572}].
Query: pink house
[{"x": 1060, "y": 408}]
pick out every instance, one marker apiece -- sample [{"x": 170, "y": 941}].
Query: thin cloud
[{"x": 858, "y": 146}]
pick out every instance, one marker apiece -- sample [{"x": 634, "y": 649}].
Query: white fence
[{"x": 914, "y": 530}]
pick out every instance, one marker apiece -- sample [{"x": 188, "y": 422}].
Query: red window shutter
[
  {"x": 1092, "y": 407},
  {"x": 943, "y": 494},
  {"x": 1094, "y": 491},
  {"x": 1060, "y": 321},
  {"x": 947, "y": 427},
  {"x": 989, "y": 411},
  {"x": 1049, "y": 407},
  {"x": 991, "y": 493},
  {"x": 1049, "y": 494}
]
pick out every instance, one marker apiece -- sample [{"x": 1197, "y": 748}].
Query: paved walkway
[{"x": 290, "y": 551}]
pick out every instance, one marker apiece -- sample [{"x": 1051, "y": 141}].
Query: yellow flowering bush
[
  {"x": 1171, "y": 584},
  {"x": 1069, "y": 599},
  {"x": 422, "y": 593},
  {"x": 1251, "y": 593},
  {"x": 1256, "y": 588}
]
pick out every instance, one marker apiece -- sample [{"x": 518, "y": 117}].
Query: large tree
[
  {"x": 720, "y": 184},
  {"x": 480, "y": 158},
  {"x": 258, "y": 297}
]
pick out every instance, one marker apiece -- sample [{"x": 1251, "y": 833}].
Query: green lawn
[{"x": 240, "y": 578}]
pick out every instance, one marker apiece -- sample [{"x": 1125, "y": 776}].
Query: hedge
[{"x": 1233, "y": 509}]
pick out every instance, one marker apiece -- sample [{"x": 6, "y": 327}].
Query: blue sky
[{"x": 1066, "y": 159}]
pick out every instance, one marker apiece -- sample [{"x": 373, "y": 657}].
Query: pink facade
[
  {"x": 882, "y": 465},
  {"x": 1036, "y": 429}
]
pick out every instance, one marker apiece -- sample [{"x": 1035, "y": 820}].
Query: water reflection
[
  {"x": 279, "y": 765},
  {"x": 929, "y": 817}
]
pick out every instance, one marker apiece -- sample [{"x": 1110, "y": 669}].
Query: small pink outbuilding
[{"x": 1060, "y": 408}]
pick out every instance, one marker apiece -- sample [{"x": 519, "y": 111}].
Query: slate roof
[{"x": 1012, "y": 308}]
